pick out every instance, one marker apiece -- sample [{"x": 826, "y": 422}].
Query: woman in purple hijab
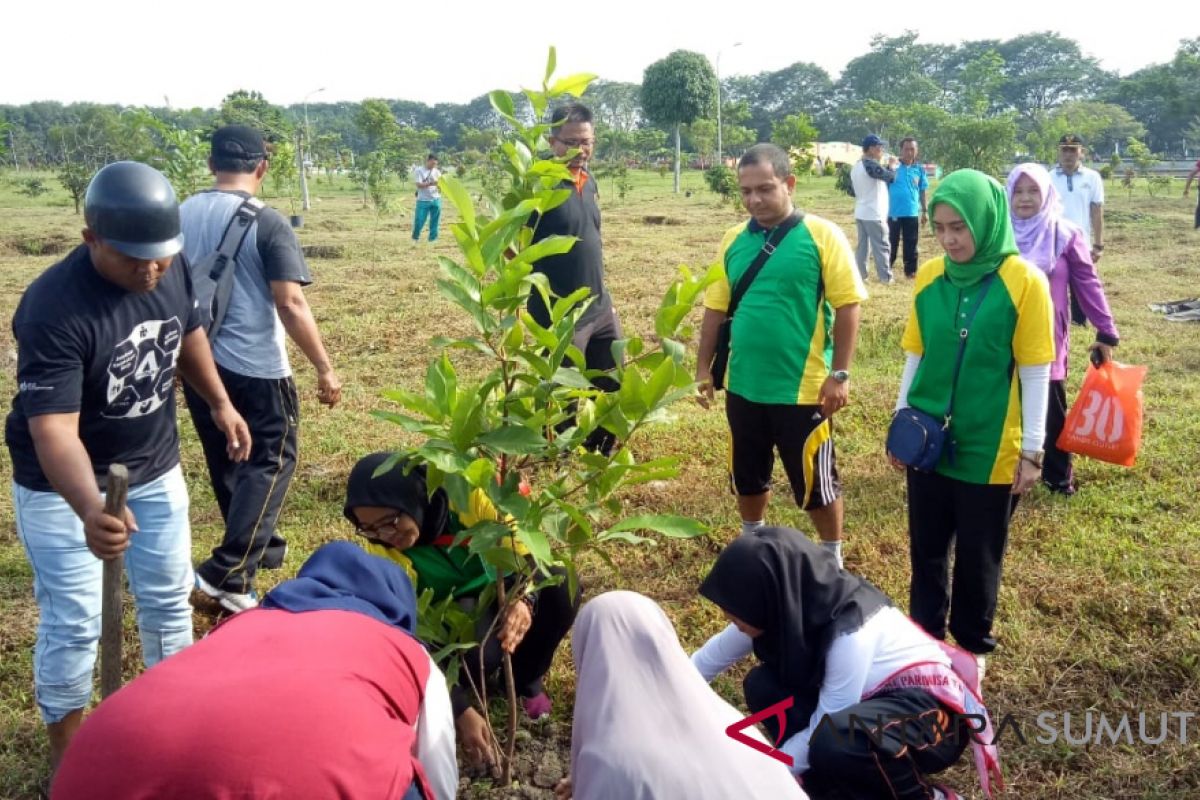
[{"x": 1058, "y": 247}]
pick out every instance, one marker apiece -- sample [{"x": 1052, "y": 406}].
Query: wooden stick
[{"x": 111, "y": 634}]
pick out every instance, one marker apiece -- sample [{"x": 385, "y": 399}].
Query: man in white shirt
[
  {"x": 1082, "y": 193},
  {"x": 429, "y": 199},
  {"x": 870, "y": 181}
]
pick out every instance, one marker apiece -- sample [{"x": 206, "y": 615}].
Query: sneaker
[
  {"x": 230, "y": 601},
  {"x": 537, "y": 706},
  {"x": 943, "y": 792}
]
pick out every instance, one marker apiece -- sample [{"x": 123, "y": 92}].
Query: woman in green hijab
[{"x": 979, "y": 344}]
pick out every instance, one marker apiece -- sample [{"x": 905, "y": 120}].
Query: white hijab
[{"x": 647, "y": 726}]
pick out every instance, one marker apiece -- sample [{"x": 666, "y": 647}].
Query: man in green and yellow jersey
[{"x": 792, "y": 340}]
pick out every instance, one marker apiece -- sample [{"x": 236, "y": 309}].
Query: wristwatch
[
  {"x": 1035, "y": 457},
  {"x": 840, "y": 375}
]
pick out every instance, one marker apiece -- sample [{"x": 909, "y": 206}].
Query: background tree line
[{"x": 980, "y": 103}]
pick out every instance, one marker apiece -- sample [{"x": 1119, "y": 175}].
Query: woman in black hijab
[
  {"x": 402, "y": 522},
  {"x": 837, "y": 663}
]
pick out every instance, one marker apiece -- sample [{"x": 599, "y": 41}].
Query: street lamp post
[
  {"x": 720, "y": 149},
  {"x": 304, "y": 204}
]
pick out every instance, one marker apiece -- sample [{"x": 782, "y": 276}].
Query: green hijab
[{"x": 983, "y": 205}]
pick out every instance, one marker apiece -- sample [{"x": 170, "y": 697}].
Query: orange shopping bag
[{"x": 1106, "y": 420}]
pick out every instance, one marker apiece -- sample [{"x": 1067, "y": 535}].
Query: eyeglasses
[
  {"x": 574, "y": 143},
  {"x": 388, "y": 526}
]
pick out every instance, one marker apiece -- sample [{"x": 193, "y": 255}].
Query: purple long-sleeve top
[{"x": 1075, "y": 268}]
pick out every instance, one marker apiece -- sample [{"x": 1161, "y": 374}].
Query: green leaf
[
  {"x": 410, "y": 424},
  {"x": 415, "y": 402},
  {"x": 537, "y": 544},
  {"x": 548, "y": 201},
  {"x": 460, "y": 276},
  {"x": 550, "y": 246},
  {"x": 388, "y": 465},
  {"x": 470, "y": 343},
  {"x": 453, "y": 188},
  {"x": 538, "y": 364},
  {"x": 576, "y": 516},
  {"x": 676, "y": 350},
  {"x": 659, "y": 384},
  {"x": 669, "y": 525},
  {"x": 502, "y": 102},
  {"x": 480, "y": 472},
  {"x": 541, "y": 283},
  {"x": 564, "y": 305},
  {"x": 568, "y": 376},
  {"x": 551, "y": 64},
  {"x": 515, "y": 440},
  {"x": 488, "y": 534},
  {"x": 542, "y": 336},
  {"x": 466, "y": 422},
  {"x": 447, "y": 461},
  {"x": 441, "y": 384},
  {"x": 461, "y": 298},
  {"x": 574, "y": 85},
  {"x": 502, "y": 559},
  {"x": 623, "y": 536}
]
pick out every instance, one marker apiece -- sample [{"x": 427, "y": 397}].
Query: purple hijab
[{"x": 1043, "y": 237}]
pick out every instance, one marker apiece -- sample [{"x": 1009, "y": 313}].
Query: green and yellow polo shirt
[
  {"x": 781, "y": 345},
  {"x": 1013, "y": 328}
]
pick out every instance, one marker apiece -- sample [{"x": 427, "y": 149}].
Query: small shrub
[{"x": 33, "y": 187}]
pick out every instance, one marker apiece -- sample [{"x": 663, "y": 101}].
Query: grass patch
[{"x": 1099, "y": 605}]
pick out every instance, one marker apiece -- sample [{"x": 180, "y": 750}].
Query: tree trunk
[{"x": 676, "y": 158}]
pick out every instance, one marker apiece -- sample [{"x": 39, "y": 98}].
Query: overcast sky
[{"x": 137, "y": 52}]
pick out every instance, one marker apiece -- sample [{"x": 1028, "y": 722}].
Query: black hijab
[
  {"x": 393, "y": 489},
  {"x": 777, "y": 580}
]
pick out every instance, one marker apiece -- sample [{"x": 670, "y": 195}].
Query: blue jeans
[
  {"x": 67, "y": 581},
  {"x": 431, "y": 210}
]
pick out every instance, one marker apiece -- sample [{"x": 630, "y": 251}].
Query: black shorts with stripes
[{"x": 803, "y": 438}]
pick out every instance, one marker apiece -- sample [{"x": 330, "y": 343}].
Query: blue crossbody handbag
[{"x": 919, "y": 439}]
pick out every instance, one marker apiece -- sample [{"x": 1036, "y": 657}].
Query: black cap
[
  {"x": 132, "y": 207},
  {"x": 1071, "y": 140},
  {"x": 238, "y": 141}
]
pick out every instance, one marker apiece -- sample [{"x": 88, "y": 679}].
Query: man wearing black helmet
[{"x": 100, "y": 337}]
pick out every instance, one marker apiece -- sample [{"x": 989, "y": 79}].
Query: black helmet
[{"x": 132, "y": 207}]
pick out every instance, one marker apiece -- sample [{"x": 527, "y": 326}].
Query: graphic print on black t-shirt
[{"x": 141, "y": 372}]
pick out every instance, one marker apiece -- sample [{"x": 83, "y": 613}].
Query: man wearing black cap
[
  {"x": 870, "y": 181},
  {"x": 100, "y": 338},
  {"x": 1082, "y": 192},
  {"x": 265, "y": 306}
]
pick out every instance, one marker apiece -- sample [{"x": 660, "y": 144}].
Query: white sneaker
[{"x": 230, "y": 601}]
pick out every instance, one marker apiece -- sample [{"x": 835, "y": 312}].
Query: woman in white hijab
[{"x": 647, "y": 726}]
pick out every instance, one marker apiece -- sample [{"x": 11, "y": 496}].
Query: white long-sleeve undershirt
[{"x": 1035, "y": 395}]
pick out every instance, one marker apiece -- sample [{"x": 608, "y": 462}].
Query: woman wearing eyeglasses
[{"x": 404, "y": 524}]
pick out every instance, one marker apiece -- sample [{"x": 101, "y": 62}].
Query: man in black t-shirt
[
  {"x": 100, "y": 337},
  {"x": 583, "y": 265}
]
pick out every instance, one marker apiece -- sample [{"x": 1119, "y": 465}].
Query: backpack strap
[{"x": 235, "y": 233}]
